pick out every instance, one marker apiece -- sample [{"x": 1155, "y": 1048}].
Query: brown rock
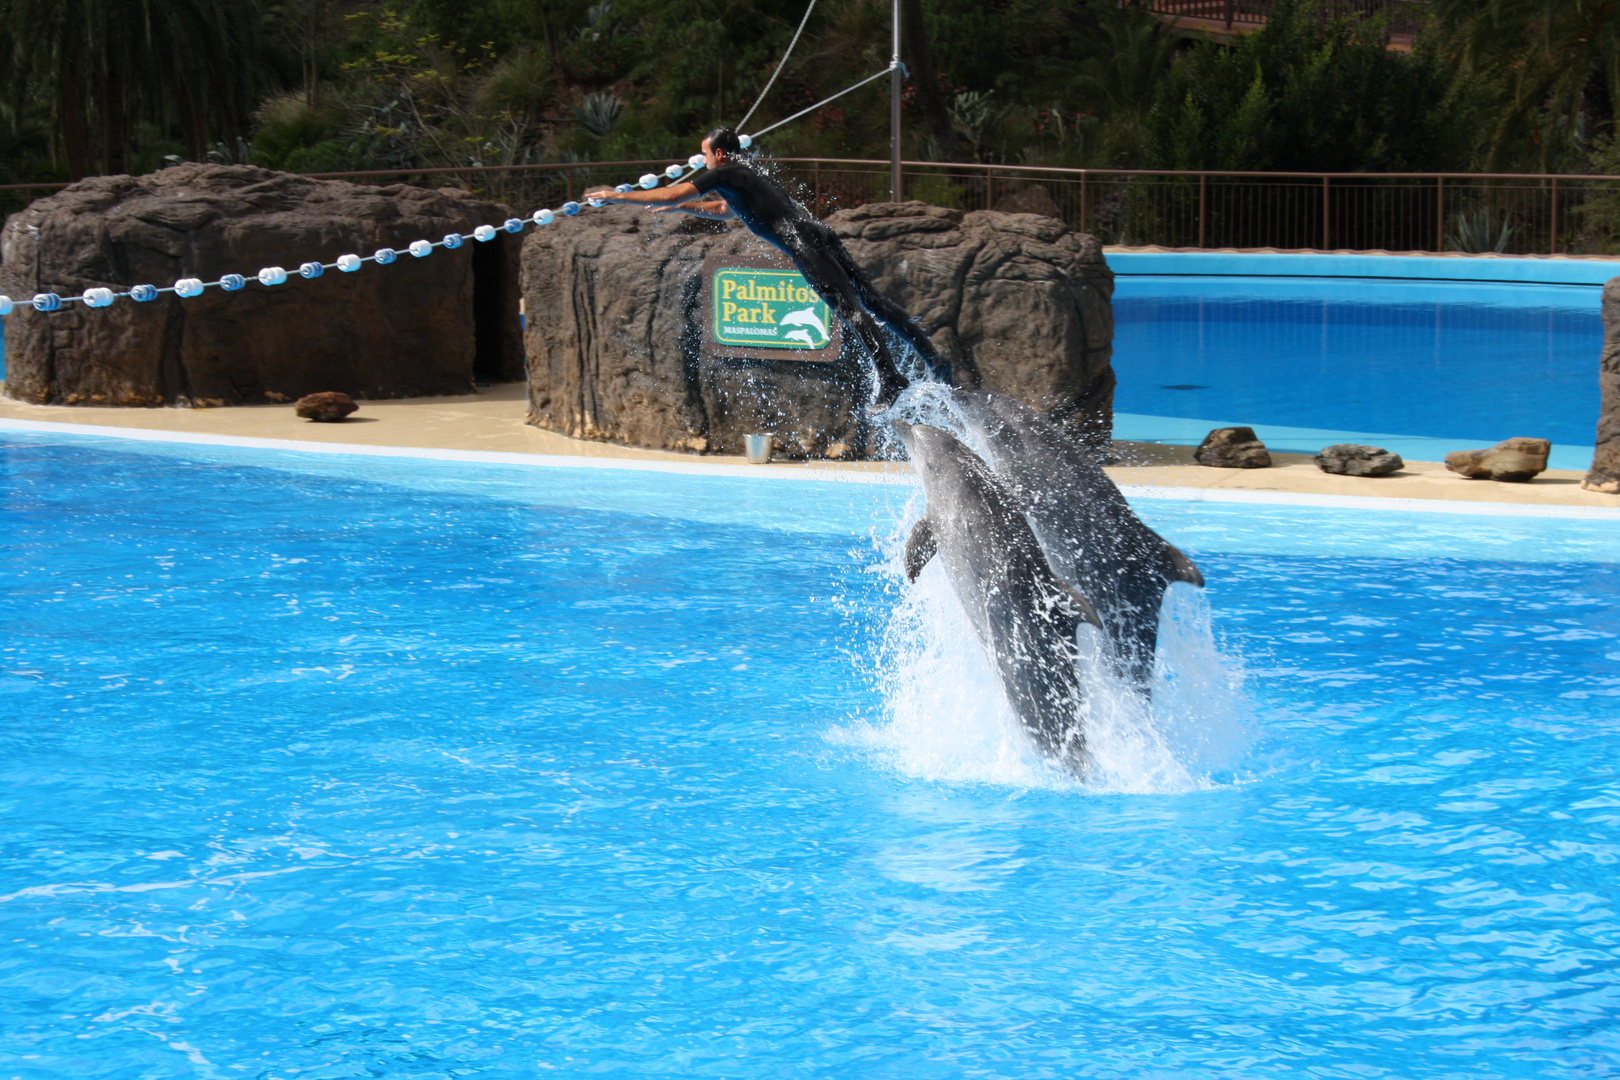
[
  {"x": 1232, "y": 448},
  {"x": 1015, "y": 301},
  {"x": 1605, "y": 472},
  {"x": 327, "y": 407},
  {"x": 419, "y": 326},
  {"x": 1018, "y": 302},
  {"x": 1511, "y": 460},
  {"x": 1354, "y": 459}
]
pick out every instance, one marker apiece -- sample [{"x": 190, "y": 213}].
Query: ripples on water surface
[{"x": 329, "y": 767}]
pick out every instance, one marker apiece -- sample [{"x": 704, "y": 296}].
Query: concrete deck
[{"x": 492, "y": 420}]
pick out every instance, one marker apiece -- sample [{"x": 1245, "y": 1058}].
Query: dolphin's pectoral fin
[
  {"x": 1182, "y": 568},
  {"x": 1075, "y": 606},
  {"x": 921, "y": 546}
]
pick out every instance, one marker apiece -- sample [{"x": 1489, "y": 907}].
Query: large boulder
[
  {"x": 1018, "y": 302},
  {"x": 1358, "y": 459},
  {"x": 1605, "y": 473},
  {"x": 1233, "y": 448},
  {"x": 417, "y": 327},
  {"x": 1512, "y": 460},
  {"x": 615, "y": 341}
]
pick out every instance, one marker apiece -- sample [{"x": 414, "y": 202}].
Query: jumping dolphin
[
  {"x": 799, "y": 335},
  {"x": 1024, "y": 615},
  {"x": 1089, "y": 534}
]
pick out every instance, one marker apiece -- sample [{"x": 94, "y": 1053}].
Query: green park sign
[
  {"x": 758, "y": 308},
  {"x": 772, "y": 309}
]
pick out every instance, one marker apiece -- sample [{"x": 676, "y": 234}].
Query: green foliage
[
  {"x": 1309, "y": 94},
  {"x": 1551, "y": 66},
  {"x": 332, "y": 155},
  {"x": 286, "y": 124},
  {"x": 598, "y": 111},
  {"x": 1598, "y": 216},
  {"x": 337, "y": 84},
  {"x": 1480, "y": 230}
]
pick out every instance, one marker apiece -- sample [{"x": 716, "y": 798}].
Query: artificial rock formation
[
  {"x": 1605, "y": 472},
  {"x": 1354, "y": 459},
  {"x": 1018, "y": 303},
  {"x": 417, "y": 327},
  {"x": 1511, "y": 460},
  {"x": 1233, "y": 448}
]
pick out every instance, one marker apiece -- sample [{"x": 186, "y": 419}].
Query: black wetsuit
[{"x": 815, "y": 249}]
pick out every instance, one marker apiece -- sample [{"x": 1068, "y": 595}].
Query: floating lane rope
[
  {"x": 186, "y": 288},
  {"x": 271, "y": 276}
]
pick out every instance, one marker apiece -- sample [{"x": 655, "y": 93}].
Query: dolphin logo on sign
[{"x": 807, "y": 318}]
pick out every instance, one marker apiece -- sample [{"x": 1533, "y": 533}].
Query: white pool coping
[{"x": 805, "y": 473}]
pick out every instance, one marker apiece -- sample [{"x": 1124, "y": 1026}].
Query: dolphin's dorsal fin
[
  {"x": 921, "y": 546},
  {"x": 1074, "y": 605},
  {"x": 1182, "y": 568}
]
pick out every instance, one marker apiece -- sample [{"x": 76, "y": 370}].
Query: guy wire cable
[{"x": 772, "y": 80}]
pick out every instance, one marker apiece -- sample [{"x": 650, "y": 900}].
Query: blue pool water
[
  {"x": 1423, "y": 366},
  {"x": 328, "y": 766}
]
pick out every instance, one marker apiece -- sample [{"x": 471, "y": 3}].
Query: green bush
[
  {"x": 333, "y": 155},
  {"x": 1308, "y": 94}
]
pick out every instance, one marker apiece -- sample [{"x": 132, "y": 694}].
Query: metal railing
[
  {"x": 1404, "y": 18},
  {"x": 1527, "y": 214}
]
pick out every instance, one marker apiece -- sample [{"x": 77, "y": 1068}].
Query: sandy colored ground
[{"x": 493, "y": 420}]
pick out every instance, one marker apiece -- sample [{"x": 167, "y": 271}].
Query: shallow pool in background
[
  {"x": 322, "y": 765},
  {"x": 1422, "y": 366}
]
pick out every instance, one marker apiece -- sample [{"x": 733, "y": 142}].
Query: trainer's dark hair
[{"x": 725, "y": 139}]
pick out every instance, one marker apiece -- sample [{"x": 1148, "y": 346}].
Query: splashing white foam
[{"x": 945, "y": 717}]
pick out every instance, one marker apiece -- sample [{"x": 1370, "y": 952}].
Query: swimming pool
[
  {"x": 324, "y": 765},
  {"x": 1421, "y": 367}
]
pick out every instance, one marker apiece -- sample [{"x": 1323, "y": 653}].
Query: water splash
[{"x": 944, "y": 716}]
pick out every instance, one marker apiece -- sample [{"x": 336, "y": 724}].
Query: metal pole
[
  {"x": 894, "y": 111},
  {"x": 1324, "y": 213},
  {"x": 1552, "y": 248},
  {"x": 1201, "y": 185},
  {"x": 1439, "y": 213}
]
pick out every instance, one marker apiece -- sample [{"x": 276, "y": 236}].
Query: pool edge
[{"x": 817, "y": 474}]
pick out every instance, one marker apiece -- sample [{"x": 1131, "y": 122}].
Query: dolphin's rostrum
[{"x": 1025, "y": 616}]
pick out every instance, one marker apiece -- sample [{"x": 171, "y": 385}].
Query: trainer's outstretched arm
[
  {"x": 712, "y": 209},
  {"x": 685, "y": 191}
]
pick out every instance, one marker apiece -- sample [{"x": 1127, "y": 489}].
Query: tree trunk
[
  {"x": 74, "y": 124},
  {"x": 926, "y": 80}
]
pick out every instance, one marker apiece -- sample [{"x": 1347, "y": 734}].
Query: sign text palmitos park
[{"x": 763, "y": 307}]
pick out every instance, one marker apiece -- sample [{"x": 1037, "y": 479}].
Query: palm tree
[
  {"x": 1122, "y": 78},
  {"x": 1559, "y": 61}
]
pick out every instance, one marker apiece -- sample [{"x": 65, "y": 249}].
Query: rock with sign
[
  {"x": 623, "y": 346},
  {"x": 421, "y": 326},
  {"x": 619, "y": 348}
]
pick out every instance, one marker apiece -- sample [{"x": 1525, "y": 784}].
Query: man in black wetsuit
[{"x": 771, "y": 214}]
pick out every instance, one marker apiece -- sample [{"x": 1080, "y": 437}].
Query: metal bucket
[{"x": 757, "y": 448}]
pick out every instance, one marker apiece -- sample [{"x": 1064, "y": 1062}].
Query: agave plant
[
  {"x": 598, "y": 111},
  {"x": 1478, "y": 230},
  {"x": 975, "y": 115}
]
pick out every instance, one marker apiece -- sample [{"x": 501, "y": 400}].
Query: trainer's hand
[{"x": 606, "y": 194}]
